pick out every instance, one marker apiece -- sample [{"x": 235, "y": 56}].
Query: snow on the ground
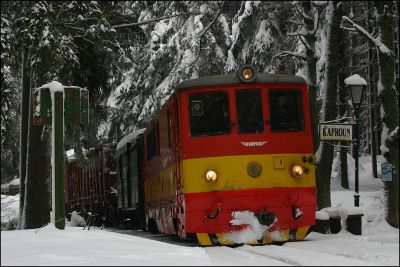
[
  {"x": 74, "y": 246},
  {"x": 378, "y": 244}
]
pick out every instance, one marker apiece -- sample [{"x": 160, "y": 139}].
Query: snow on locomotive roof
[
  {"x": 128, "y": 139},
  {"x": 234, "y": 79}
]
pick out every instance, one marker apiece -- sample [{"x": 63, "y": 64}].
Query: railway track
[
  {"x": 322, "y": 251},
  {"x": 299, "y": 257}
]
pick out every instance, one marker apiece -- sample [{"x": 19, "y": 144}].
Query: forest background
[{"x": 130, "y": 55}]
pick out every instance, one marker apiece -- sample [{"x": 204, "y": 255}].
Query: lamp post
[{"x": 357, "y": 87}]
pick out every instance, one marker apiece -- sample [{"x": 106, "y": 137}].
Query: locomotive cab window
[
  {"x": 286, "y": 110},
  {"x": 152, "y": 140},
  {"x": 209, "y": 113},
  {"x": 249, "y": 111}
]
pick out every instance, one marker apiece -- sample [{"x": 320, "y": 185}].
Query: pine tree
[
  {"x": 49, "y": 38},
  {"x": 10, "y": 95}
]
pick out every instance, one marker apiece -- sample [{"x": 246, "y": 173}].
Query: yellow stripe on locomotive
[{"x": 236, "y": 172}]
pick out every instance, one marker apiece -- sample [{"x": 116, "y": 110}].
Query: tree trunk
[
  {"x": 372, "y": 99},
  {"x": 23, "y": 130},
  {"x": 323, "y": 188},
  {"x": 324, "y": 167},
  {"x": 36, "y": 205},
  {"x": 390, "y": 108},
  {"x": 342, "y": 74},
  {"x": 311, "y": 71}
]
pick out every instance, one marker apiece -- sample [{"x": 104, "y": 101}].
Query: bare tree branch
[
  {"x": 152, "y": 20},
  {"x": 289, "y": 53},
  {"x": 297, "y": 22},
  {"x": 211, "y": 23},
  {"x": 304, "y": 41},
  {"x": 83, "y": 37},
  {"x": 294, "y": 34},
  {"x": 300, "y": 14},
  {"x": 119, "y": 6},
  {"x": 319, "y": 3},
  {"x": 380, "y": 46},
  {"x": 348, "y": 29},
  {"x": 73, "y": 28},
  {"x": 203, "y": 32},
  {"x": 298, "y": 11},
  {"x": 318, "y": 19}
]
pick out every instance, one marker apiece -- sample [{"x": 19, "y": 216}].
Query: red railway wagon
[
  {"x": 223, "y": 162},
  {"x": 92, "y": 187}
]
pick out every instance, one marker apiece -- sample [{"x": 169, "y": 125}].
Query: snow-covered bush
[{"x": 77, "y": 220}]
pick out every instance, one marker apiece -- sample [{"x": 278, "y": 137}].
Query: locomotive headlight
[
  {"x": 297, "y": 171},
  {"x": 211, "y": 176},
  {"x": 246, "y": 73}
]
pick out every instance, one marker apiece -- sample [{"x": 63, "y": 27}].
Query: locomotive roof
[{"x": 227, "y": 79}]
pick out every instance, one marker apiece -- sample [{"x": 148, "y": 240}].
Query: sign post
[
  {"x": 74, "y": 108},
  {"x": 343, "y": 132},
  {"x": 356, "y": 182}
]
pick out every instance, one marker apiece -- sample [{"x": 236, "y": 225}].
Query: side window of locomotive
[
  {"x": 209, "y": 113},
  {"x": 249, "y": 111},
  {"x": 152, "y": 143},
  {"x": 286, "y": 110},
  {"x": 169, "y": 125}
]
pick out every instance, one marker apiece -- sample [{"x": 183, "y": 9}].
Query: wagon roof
[
  {"x": 233, "y": 79},
  {"x": 129, "y": 138}
]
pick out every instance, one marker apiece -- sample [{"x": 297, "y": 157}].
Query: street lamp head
[
  {"x": 357, "y": 87},
  {"x": 357, "y": 92}
]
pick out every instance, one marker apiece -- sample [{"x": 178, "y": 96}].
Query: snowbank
[{"x": 9, "y": 212}]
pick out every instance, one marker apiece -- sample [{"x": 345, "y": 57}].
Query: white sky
[{"x": 378, "y": 244}]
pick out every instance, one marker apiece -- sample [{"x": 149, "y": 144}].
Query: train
[{"x": 228, "y": 159}]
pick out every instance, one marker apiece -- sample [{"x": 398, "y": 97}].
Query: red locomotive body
[{"x": 219, "y": 162}]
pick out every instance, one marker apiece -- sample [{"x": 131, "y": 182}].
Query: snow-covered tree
[
  {"x": 51, "y": 40},
  {"x": 325, "y": 152},
  {"x": 9, "y": 86},
  {"x": 10, "y": 95},
  {"x": 390, "y": 107},
  {"x": 207, "y": 38}
]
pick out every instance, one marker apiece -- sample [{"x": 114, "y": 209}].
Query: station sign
[
  {"x": 336, "y": 131},
  {"x": 386, "y": 172}
]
